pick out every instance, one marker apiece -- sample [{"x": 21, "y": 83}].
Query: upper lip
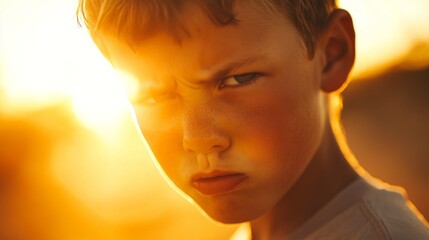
[{"x": 213, "y": 174}]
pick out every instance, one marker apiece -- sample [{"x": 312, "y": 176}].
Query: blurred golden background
[{"x": 72, "y": 165}]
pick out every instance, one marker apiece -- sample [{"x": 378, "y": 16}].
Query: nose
[{"x": 202, "y": 131}]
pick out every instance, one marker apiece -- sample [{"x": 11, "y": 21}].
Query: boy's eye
[
  {"x": 152, "y": 100},
  {"x": 238, "y": 79}
]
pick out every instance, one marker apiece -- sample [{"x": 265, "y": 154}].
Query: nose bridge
[{"x": 202, "y": 130}]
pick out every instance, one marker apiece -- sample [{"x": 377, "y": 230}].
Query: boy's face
[{"x": 233, "y": 114}]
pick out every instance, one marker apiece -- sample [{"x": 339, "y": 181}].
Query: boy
[{"x": 233, "y": 103}]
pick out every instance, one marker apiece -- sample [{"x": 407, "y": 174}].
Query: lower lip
[{"x": 218, "y": 185}]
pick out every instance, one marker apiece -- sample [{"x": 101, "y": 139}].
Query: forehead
[{"x": 256, "y": 33}]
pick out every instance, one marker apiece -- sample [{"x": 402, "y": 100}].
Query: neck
[{"x": 327, "y": 174}]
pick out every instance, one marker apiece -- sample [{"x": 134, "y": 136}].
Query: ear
[{"x": 337, "y": 43}]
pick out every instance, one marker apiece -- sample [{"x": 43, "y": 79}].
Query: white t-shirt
[{"x": 361, "y": 211}]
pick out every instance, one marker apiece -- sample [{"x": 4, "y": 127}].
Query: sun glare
[
  {"x": 33, "y": 54},
  {"x": 101, "y": 102},
  {"x": 47, "y": 59}
]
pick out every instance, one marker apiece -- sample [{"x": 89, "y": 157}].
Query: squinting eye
[
  {"x": 239, "y": 79},
  {"x": 155, "y": 99}
]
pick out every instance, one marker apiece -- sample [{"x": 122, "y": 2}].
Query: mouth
[{"x": 217, "y": 182}]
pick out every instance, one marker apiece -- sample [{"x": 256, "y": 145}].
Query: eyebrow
[{"x": 210, "y": 75}]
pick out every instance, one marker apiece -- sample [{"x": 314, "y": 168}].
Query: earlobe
[{"x": 338, "y": 47}]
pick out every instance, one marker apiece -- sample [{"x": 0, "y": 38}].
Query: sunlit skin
[{"x": 244, "y": 98}]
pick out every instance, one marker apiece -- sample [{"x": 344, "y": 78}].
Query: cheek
[
  {"x": 166, "y": 146},
  {"x": 283, "y": 130}
]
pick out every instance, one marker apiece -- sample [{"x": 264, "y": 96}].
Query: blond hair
[{"x": 134, "y": 20}]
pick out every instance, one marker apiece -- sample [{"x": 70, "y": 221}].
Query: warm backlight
[{"x": 389, "y": 33}]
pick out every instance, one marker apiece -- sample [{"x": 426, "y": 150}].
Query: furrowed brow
[{"x": 224, "y": 70}]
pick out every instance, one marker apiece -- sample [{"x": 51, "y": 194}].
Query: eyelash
[{"x": 253, "y": 77}]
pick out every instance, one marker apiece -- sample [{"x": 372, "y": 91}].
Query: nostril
[
  {"x": 212, "y": 143},
  {"x": 219, "y": 148}
]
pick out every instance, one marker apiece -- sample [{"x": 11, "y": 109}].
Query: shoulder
[
  {"x": 361, "y": 211},
  {"x": 375, "y": 213},
  {"x": 393, "y": 215}
]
